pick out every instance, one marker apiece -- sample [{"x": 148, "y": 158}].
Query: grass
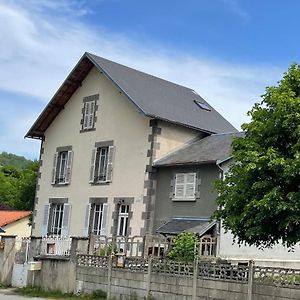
[{"x": 37, "y": 292}]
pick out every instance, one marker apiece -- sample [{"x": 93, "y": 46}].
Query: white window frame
[
  {"x": 97, "y": 223},
  {"x": 62, "y": 168},
  {"x": 98, "y": 168},
  {"x": 185, "y": 185},
  {"x": 123, "y": 220},
  {"x": 89, "y": 114},
  {"x": 57, "y": 214}
]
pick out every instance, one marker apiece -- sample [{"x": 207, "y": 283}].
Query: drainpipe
[{"x": 221, "y": 177}]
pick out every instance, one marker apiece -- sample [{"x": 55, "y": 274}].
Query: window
[
  {"x": 56, "y": 218},
  {"x": 89, "y": 115},
  {"x": 185, "y": 186},
  {"x": 202, "y": 105},
  {"x": 62, "y": 167},
  {"x": 123, "y": 217},
  {"x": 89, "y": 109},
  {"x": 101, "y": 165},
  {"x": 61, "y": 172},
  {"x": 96, "y": 217}
]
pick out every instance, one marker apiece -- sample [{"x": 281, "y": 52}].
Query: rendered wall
[
  {"x": 117, "y": 120},
  {"x": 279, "y": 255},
  {"x": 18, "y": 228},
  {"x": 204, "y": 206},
  {"x": 173, "y": 137}
]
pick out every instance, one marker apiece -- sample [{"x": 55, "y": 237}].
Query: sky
[{"x": 226, "y": 50}]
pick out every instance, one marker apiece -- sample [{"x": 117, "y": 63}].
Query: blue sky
[{"x": 227, "y": 50}]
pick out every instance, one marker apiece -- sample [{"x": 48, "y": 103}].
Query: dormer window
[{"x": 202, "y": 105}]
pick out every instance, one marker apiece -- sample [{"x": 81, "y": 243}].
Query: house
[
  {"x": 100, "y": 134},
  {"x": 185, "y": 200},
  {"x": 15, "y": 222}
]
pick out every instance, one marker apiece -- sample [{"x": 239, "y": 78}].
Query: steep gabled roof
[
  {"x": 201, "y": 151},
  {"x": 10, "y": 216},
  {"x": 153, "y": 96}
]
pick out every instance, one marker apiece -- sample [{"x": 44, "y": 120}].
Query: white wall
[{"x": 277, "y": 256}]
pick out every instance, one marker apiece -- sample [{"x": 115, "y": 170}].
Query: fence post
[
  {"x": 195, "y": 277},
  {"x": 109, "y": 271},
  {"x": 250, "y": 279},
  {"x": 149, "y": 272}
]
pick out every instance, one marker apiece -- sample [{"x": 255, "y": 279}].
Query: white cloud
[{"x": 38, "y": 49}]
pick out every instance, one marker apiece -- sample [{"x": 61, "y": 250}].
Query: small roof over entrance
[{"x": 179, "y": 224}]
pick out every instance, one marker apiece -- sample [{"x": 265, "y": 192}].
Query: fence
[
  {"x": 167, "y": 279},
  {"x": 144, "y": 246},
  {"x": 277, "y": 276}
]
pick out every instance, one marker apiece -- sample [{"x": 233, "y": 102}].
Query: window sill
[
  {"x": 100, "y": 183},
  {"x": 87, "y": 129},
  {"x": 184, "y": 199},
  {"x": 59, "y": 184}
]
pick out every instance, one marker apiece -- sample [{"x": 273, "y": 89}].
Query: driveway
[{"x": 8, "y": 294}]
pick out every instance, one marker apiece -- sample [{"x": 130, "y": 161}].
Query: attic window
[{"x": 202, "y": 105}]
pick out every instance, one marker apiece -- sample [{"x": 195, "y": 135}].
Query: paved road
[{"x": 8, "y": 294}]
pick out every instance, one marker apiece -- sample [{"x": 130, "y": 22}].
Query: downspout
[{"x": 221, "y": 177}]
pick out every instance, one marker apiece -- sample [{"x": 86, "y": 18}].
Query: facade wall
[
  {"x": 279, "y": 255},
  {"x": 204, "y": 206},
  {"x": 117, "y": 120},
  {"x": 173, "y": 137},
  {"x": 19, "y": 228}
]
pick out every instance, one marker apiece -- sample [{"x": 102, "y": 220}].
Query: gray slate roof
[
  {"x": 162, "y": 99},
  {"x": 200, "y": 151},
  {"x": 177, "y": 225}
]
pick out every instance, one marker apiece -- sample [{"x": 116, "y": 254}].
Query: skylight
[{"x": 202, "y": 105}]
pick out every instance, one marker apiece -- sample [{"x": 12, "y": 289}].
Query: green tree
[
  {"x": 259, "y": 199},
  {"x": 17, "y": 184},
  {"x": 184, "y": 247}
]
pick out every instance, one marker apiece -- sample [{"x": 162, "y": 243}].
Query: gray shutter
[
  {"x": 69, "y": 166},
  {"x": 92, "y": 169},
  {"x": 66, "y": 220},
  {"x": 91, "y": 114},
  {"x": 87, "y": 220},
  {"x": 180, "y": 185},
  {"x": 53, "y": 180},
  {"x": 172, "y": 190},
  {"x": 86, "y": 115},
  {"x": 190, "y": 185},
  {"x": 109, "y": 170},
  {"x": 44, "y": 230},
  {"x": 104, "y": 219},
  {"x": 198, "y": 187}
]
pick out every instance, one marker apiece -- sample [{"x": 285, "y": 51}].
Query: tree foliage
[
  {"x": 260, "y": 198},
  {"x": 17, "y": 182},
  {"x": 184, "y": 247}
]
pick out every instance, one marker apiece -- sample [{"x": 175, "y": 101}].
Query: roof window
[{"x": 202, "y": 105}]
